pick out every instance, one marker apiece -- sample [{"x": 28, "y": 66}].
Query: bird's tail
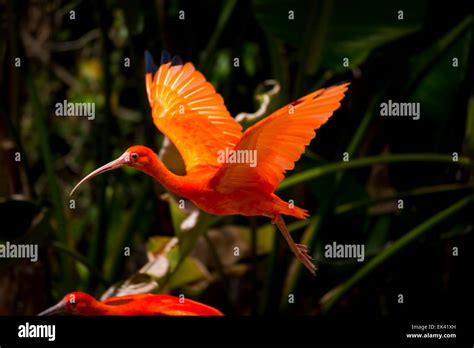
[
  {"x": 283, "y": 207},
  {"x": 300, "y": 250}
]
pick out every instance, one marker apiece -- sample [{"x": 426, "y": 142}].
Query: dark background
[{"x": 82, "y": 60}]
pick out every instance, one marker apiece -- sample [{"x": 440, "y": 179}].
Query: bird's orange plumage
[
  {"x": 79, "y": 303},
  {"x": 187, "y": 109},
  {"x": 193, "y": 116}
]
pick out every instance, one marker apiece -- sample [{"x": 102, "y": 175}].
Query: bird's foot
[
  {"x": 303, "y": 248},
  {"x": 305, "y": 258},
  {"x": 300, "y": 250}
]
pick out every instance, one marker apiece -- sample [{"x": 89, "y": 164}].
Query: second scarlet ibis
[
  {"x": 227, "y": 172},
  {"x": 80, "y": 303}
]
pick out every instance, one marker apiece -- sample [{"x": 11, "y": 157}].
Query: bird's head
[
  {"x": 73, "y": 303},
  {"x": 136, "y": 156}
]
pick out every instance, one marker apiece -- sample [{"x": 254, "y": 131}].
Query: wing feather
[
  {"x": 187, "y": 109},
  {"x": 279, "y": 140}
]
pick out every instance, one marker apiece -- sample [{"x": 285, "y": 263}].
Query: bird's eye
[{"x": 134, "y": 156}]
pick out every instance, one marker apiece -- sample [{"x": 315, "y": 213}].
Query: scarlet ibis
[
  {"x": 188, "y": 110},
  {"x": 80, "y": 303}
]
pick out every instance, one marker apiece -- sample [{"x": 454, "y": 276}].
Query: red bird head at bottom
[
  {"x": 79, "y": 303},
  {"x": 73, "y": 303}
]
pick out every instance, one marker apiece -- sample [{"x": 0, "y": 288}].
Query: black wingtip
[
  {"x": 150, "y": 66},
  {"x": 165, "y": 57},
  {"x": 176, "y": 61}
]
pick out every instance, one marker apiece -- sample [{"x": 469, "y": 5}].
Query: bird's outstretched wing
[
  {"x": 188, "y": 110},
  {"x": 278, "y": 141}
]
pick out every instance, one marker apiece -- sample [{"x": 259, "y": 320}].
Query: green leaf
[
  {"x": 191, "y": 271},
  {"x": 273, "y": 17},
  {"x": 354, "y": 30},
  {"x": 357, "y": 28}
]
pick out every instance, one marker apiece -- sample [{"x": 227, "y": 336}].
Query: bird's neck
[{"x": 172, "y": 182}]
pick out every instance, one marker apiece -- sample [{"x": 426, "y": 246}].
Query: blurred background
[{"x": 406, "y": 192}]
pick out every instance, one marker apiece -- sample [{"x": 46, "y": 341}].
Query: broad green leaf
[
  {"x": 191, "y": 271},
  {"x": 355, "y": 28}
]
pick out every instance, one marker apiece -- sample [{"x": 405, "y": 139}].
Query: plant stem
[
  {"x": 226, "y": 12},
  {"x": 82, "y": 259},
  {"x": 124, "y": 235},
  {"x": 98, "y": 241},
  {"x": 443, "y": 45},
  {"x": 421, "y": 191},
  {"x": 310, "y": 53},
  {"x": 12, "y": 116},
  {"x": 348, "y": 207},
  {"x": 369, "y": 161},
  {"x": 270, "y": 281},
  {"x": 254, "y": 258},
  {"x": 220, "y": 271},
  {"x": 330, "y": 299},
  {"x": 48, "y": 160},
  {"x": 295, "y": 269}
]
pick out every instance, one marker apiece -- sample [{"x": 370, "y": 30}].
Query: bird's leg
[{"x": 300, "y": 250}]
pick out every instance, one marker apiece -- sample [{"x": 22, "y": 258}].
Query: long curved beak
[
  {"x": 124, "y": 159},
  {"x": 58, "y": 308}
]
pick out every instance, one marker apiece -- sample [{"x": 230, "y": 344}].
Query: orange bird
[
  {"x": 220, "y": 179},
  {"x": 79, "y": 303}
]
